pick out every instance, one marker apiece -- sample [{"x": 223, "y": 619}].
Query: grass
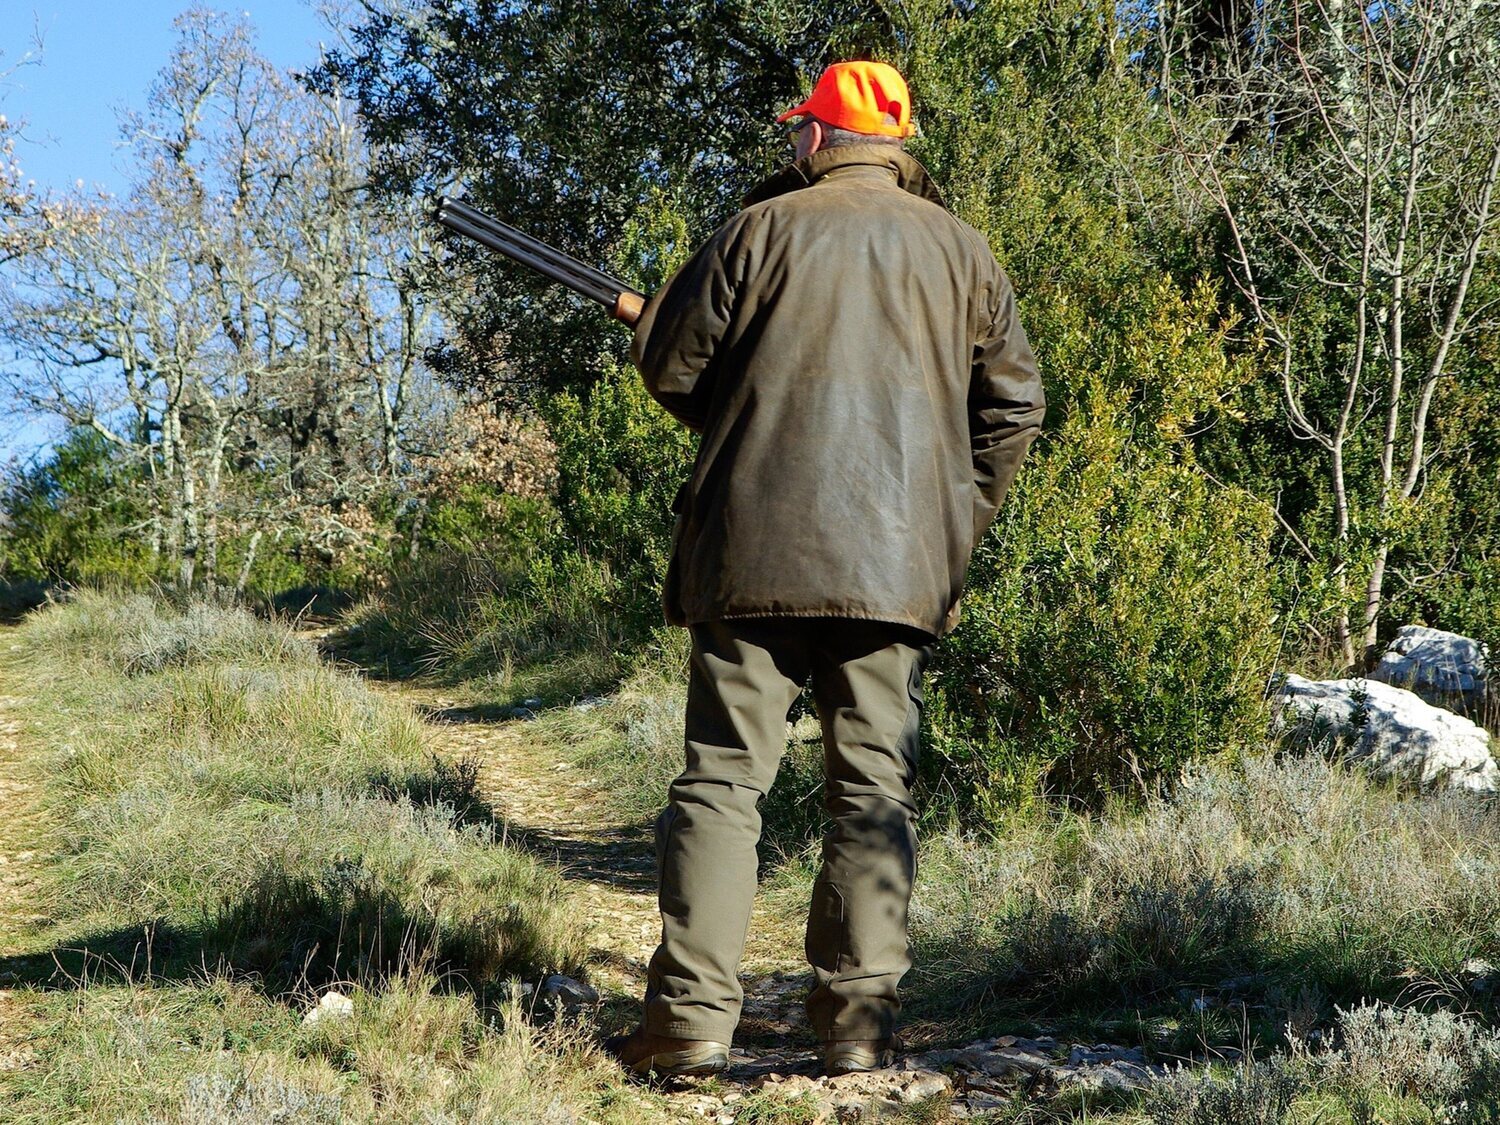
[
  {"x": 1257, "y": 889},
  {"x": 1271, "y": 903},
  {"x": 236, "y": 828},
  {"x": 521, "y": 624},
  {"x": 239, "y": 827},
  {"x": 219, "y": 1050},
  {"x": 211, "y": 775},
  {"x": 1256, "y": 892}
]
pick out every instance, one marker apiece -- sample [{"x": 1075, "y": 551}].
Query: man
[{"x": 851, "y": 355}]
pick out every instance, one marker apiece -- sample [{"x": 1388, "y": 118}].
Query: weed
[
  {"x": 1250, "y": 884},
  {"x": 1253, "y": 1093},
  {"x": 773, "y": 1108}
]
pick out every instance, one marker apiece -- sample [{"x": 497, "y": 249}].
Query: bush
[
  {"x": 620, "y": 458},
  {"x": 1439, "y": 1057},
  {"x": 70, "y": 519},
  {"x": 1117, "y": 623}
]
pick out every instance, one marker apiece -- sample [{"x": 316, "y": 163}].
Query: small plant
[
  {"x": 1252, "y": 1093},
  {"x": 1437, "y": 1057},
  {"x": 248, "y": 1099},
  {"x": 1359, "y": 713},
  {"x": 772, "y": 1108}
]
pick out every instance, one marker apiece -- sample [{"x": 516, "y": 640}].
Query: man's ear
[{"x": 815, "y": 136}]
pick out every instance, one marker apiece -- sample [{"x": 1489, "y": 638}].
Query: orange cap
[{"x": 858, "y": 96}]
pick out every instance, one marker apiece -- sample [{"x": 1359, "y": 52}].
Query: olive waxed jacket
[{"x": 851, "y": 354}]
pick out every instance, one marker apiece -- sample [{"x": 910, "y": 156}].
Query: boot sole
[
  {"x": 683, "y": 1064},
  {"x": 846, "y": 1061}
]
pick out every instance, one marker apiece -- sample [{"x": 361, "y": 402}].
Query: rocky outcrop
[
  {"x": 1390, "y": 731},
  {"x": 1443, "y": 668},
  {"x": 978, "y": 1078}
]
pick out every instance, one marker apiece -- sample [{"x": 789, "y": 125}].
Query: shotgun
[{"x": 623, "y": 302}]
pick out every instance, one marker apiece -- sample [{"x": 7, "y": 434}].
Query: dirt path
[{"x": 559, "y": 813}]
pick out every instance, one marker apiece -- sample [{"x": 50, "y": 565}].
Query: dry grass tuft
[{"x": 1253, "y": 885}]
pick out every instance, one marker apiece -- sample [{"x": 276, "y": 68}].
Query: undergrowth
[
  {"x": 1256, "y": 898},
  {"x": 241, "y": 827},
  {"x": 211, "y": 775}
]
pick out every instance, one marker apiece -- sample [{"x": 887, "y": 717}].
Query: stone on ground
[
  {"x": 333, "y": 1005},
  {"x": 572, "y": 996},
  {"x": 978, "y": 1077},
  {"x": 1443, "y": 668},
  {"x": 1391, "y": 732}
]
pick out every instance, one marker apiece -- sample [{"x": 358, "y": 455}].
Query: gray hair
[{"x": 834, "y": 137}]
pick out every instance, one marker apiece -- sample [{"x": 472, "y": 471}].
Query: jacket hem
[{"x": 846, "y": 614}]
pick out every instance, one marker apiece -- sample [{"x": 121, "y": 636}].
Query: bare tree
[
  {"x": 18, "y": 198},
  {"x": 1352, "y": 151},
  {"x": 245, "y": 324}
]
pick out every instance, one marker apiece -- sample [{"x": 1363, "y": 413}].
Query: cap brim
[{"x": 796, "y": 111}]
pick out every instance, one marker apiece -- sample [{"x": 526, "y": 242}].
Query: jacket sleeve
[
  {"x": 678, "y": 336},
  {"x": 1006, "y": 406}
]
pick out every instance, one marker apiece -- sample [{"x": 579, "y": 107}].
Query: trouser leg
[
  {"x": 745, "y": 676},
  {"x": 867, "y": 681}
]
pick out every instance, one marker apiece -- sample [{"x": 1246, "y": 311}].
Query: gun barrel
[{"x": 532, "y": 253}]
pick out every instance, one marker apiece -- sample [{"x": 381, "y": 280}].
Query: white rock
[
  {"x": 1391, "y": 732},
  {"x": 333, "y": 1005},
  {"x": 1436, "y": 665}
]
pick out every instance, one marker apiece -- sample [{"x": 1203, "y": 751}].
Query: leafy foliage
[
  {"x": 1167, "y": 543},
  {"x": 74, "y": 517},
  {"x": 567, "y": 121}
]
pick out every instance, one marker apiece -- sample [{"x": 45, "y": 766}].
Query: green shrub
[
  {"x": 620, "y": 459},
  {"x": 1118, "y": 620},
  {"x": 71, "y": 518}
]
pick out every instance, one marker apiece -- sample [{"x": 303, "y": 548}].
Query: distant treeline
[{"x": 1254, "y": 248}]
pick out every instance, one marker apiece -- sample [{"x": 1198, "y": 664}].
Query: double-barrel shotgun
[{"x": 623, "y": 302}]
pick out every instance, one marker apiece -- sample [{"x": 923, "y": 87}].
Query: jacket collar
[{"x": 910, "y": 175}]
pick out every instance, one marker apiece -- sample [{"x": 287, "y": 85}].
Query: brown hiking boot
[
  {"x": 643, "y": 1053},
  {"x": 849, "y": 1056}
]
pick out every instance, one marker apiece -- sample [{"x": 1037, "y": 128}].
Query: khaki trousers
[{"x": 746, "y": 673}]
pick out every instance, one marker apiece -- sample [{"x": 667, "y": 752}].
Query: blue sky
[
  {"x": 98, "y": 56},
  {"x": 101, "y": 55}
]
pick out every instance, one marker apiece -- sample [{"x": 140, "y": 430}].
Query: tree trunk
[{"x": 244, "y": 578}]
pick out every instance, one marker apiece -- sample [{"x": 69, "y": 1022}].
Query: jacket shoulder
[{"x": 980, "y": 245}]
